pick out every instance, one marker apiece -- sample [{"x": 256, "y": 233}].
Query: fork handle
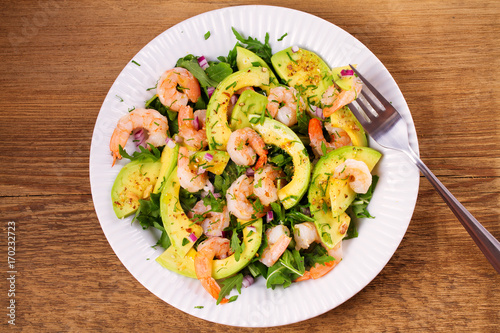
[{"x": 488, "y": 244}]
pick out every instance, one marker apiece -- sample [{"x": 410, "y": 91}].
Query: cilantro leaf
[
  {"x": 317, "y": 255},
  {"x": 154, "y": 154},
  {"x": 219, "y": 71},
  {"x": 262, "y": 50},
  {"x": 236, "y": 245},
  {"x": 228, "y": 284}
]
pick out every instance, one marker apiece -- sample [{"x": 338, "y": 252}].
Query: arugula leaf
[
  {"x": 149, "y": 215},
  {"x": 262, "y": 50},
  {"x": 187, "y": 199},
  {"x": 190, "y": 62},
  {"x": 231, "y": 173},
  {"x": 294, "y": 262},
  {"x": 228, "y": 284},
  {"x": 317, "y": 254},
  {"x": 286, "y": 270},
  {"x": 257, "y": 268},
  {"x": 154, "y": 154},
  {"x": 219, "y": 71},
  {"x": 236, "y": 245},
  {"x": 216, "y": 205},
  {"x": 361, "y": 201}
]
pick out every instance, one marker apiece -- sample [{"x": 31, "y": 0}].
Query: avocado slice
[
  {"x": 275, "y": 133},
  {"x": 216, "y": 165},
  {"x": 333, "y": 228},
  {"x": 134, "y": 180},
  {"x": 168, "y": 163},
  {"x": 246, "y": 58},
  {"x": 176, "y": 223},
  {"x": 222, "y": 268},
  {"x": 218, "y": 130},
  {"x": 344, "y": 82},
  {"x": 305, "y": 71},
  {"x": 343, "y": 118},
  {"x": 249, "y": 102}
]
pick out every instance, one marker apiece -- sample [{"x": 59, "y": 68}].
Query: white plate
[{"x": 364, "y": 257}]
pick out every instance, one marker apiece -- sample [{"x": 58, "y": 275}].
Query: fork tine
[
  {"x": 367, "y": 111},
  {"x": 371, "y": 102},
  {"x": 371, "y": 88},
  {"x": 359, "y": 115}
]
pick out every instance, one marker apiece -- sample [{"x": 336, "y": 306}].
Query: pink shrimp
[
  {"x": 213, "y": 223},
  {"x": 338, "y": 137},
  {"x": 203, "y": 263},
  {"x": 286, "y": 97},
  {"x": 333, "y": 99},
  {"x": 176, "y": 86},
  {"x": 151, "y": 120},
  {"x": 277, "y": 241},
  {"x": 189, "y": 178},
  {"x": 244, "y": 145},
  {"x": 192, "y": 127}
]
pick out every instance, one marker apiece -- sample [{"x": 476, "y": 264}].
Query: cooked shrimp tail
[
  {"x": 203, "y": 263},
  {"x": 319, "y": 270},
  {"x": 338, "y": 137},
  {"x": 334, "y": 99}
]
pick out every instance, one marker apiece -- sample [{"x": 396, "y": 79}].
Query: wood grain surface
[{"x": 58, "y": 60}]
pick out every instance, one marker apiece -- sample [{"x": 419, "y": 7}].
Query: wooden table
[{"x": 58, "y": 60}]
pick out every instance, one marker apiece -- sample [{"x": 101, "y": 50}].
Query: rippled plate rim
[{"x": 364, "y": 257}]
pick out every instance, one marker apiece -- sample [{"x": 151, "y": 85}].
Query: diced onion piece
[
  {"x": 202, "y": 61},
  {"x": 196, "y": 123},
  {"x": 347, "y": 72},
  {"x": 270, "y": 216},
  {"x": 247, "y": 281},
  {"x": 210, "y": 91},
  {"x": 305, "y": 211},
  {"x": 250, "y": 172},
  {"x": 295, "y": 48},
  {"x": 178, "y": 138},
  {"x": 252, "y": 228},
  {"x": 170, "y": 143},
  {"x": 209, "y": 157},
  {"x": 193, "y": 237}
]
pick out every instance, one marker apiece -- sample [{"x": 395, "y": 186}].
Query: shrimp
[
  {"x": 213, "y": 223},
  {"x": 277, "y": 242},
  {"x": 319, "y": 270},
  {"x": 338, "y": 137},
  {"x": 357, "y": 172},
  {"x": 244, "y": 145},
  {"x": 304, "y": 235},
  {"x": 148, "y": 119},
  {"x": 237, "y": 199},
  {"x": 176, "y": 86},
  {"x": 203, "y": 262},
  {"x": 192, "y": 127},
  {"x": 264, "y": 186},
  {"x": 286, "y": 97},
  {"x": 189, "y": 178},
  {"x": 334, "y": 99}
]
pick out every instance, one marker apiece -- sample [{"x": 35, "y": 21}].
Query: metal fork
[{"x": 386, "y": 126}]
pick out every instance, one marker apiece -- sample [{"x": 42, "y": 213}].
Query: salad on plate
[{"x": 249, "y": 165}]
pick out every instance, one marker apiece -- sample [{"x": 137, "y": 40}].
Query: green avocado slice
[
  {"x": 248, "y": 103},
  {"x": 303, "y": 70},
  {"x": 222, "y": 268},
  {"x": 246, "y": 58},
  {"x": 333, "y": 228},
  {"x": 134, "y": 180},
  {"x": 275, "y": 133},
  {"x": 343, "y": 118},
  {"x": 217, "y": 126},
  {"x": 168, "y": 163},
  {"x": 176, "y": 223}
]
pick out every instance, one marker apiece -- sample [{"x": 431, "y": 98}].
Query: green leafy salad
[{"x": 249, "y": 165}]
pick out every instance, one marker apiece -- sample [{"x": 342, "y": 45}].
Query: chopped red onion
[
  {"x": 202, "y": 61},
  {"x": 252, "y": 228},
  {"x": 347, "y": 72},
  {"x": 250, "y": 172},
  {"x": 193, "y": 237},
  {"x": 247, "y": 281},
  {"x": 196, "y": 123},
  {"x": 170, "y": 143},
  {"x": 209, "y": 157},
  {"x": 234, "y": 99},
  {"x": 319, "y": 113},
  {"x": 140, "y": 138},
  {"x": 210, "y": 91},
  {"x": 201, "y": 170},
  {"x": 295, "y": 48},
  {"x": 225, "y": 234},
  {"x": 270, "y": 216}
]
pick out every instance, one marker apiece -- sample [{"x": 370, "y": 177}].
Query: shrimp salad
[{"x": 247, "y": 166}]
